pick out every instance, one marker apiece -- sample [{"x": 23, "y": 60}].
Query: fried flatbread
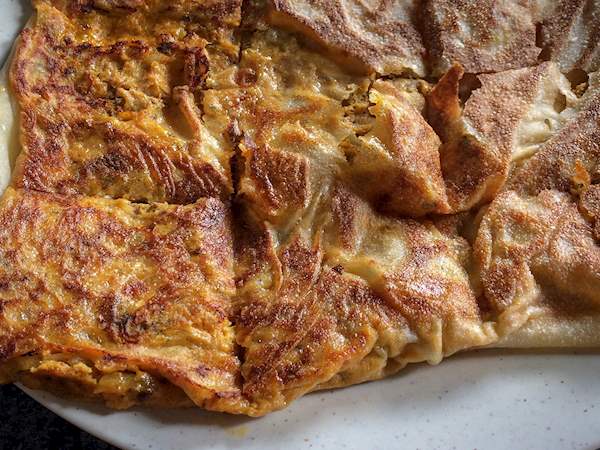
[
  {"x": 115, "y": 115},
  {"x": 231, "y": 205},
  {"x": 114, "y": 297},
  {"x": 382, "y": 38},
  {"x": 570, "y": 34},
  {"x": 482, "y": 36}
]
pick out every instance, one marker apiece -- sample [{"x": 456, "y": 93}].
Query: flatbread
[
  {"x": 570, "y": 34},
  {"x": 115, "y": 290},
  {"x": 538, "y": 260},
  {"x": 230, "y": 206},
  {"x": 483, "y": 36}
]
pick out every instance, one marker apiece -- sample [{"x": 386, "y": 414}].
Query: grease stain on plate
[{"x": 238, "y": 432}]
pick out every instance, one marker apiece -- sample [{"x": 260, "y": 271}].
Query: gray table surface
[{"x": 27, "y": 425}]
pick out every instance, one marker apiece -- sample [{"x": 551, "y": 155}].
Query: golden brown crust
[
  {"x": 325, "y": 217},
  {"x": 165, "y": 25},
  {"x": 105, "y": 280},
  {"x": 383, "y": 38},
  {"x": 402, "y": 151},
  {"x": 278, "y": 180},
  {"x": 482, "y": 36},
  {"x": 120, "y": 128},
  {"x": 571, "y": 35},
  {"x": 352, "y": 301}
]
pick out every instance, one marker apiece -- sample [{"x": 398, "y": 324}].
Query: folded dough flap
[
  {"x": 487, "y": 123},
  {"x": 570, "y": 34},
  {"x": 349, "y": 296},
  {"x": 383, "y": 40},
  {"x": 538, "y": 260},
  {"x": 572, "y": 152},
  {"x": 483, "y": 36},
  {"x": 400, "y": 150},
  {"x": 114, "y": 297}
]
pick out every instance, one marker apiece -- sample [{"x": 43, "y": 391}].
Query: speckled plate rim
[{"x": 490, "y": 399}]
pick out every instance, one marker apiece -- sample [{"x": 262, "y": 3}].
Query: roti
[{"x": 231, "y": 205}]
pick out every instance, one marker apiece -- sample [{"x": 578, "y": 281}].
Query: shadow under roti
[
  {"x": 419, "y": 391},
  {"x": 397, "y": 391}
]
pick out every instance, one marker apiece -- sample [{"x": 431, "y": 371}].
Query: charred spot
[
  {"x": 7, "y": 350},
  {"x": 203, "y": 370},
  {"x": 109, "y": 164},
  {"x": 135, "y": 47},
  {"x": 80, "y": 48},
  {"x": 35, "y": 295},
  {"x": 195, "y": 67},
  {"x": 166, "y": 48},
  {"x": 338, "y": 269},
  {"x": 128, "y": 330},
  {"x": 246, "y": 77},
  {"x": 68, "y": 71},
  {"x": 118, "y": 46}
]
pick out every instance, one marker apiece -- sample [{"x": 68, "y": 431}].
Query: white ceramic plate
[{"x": 483, "y": 400}]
